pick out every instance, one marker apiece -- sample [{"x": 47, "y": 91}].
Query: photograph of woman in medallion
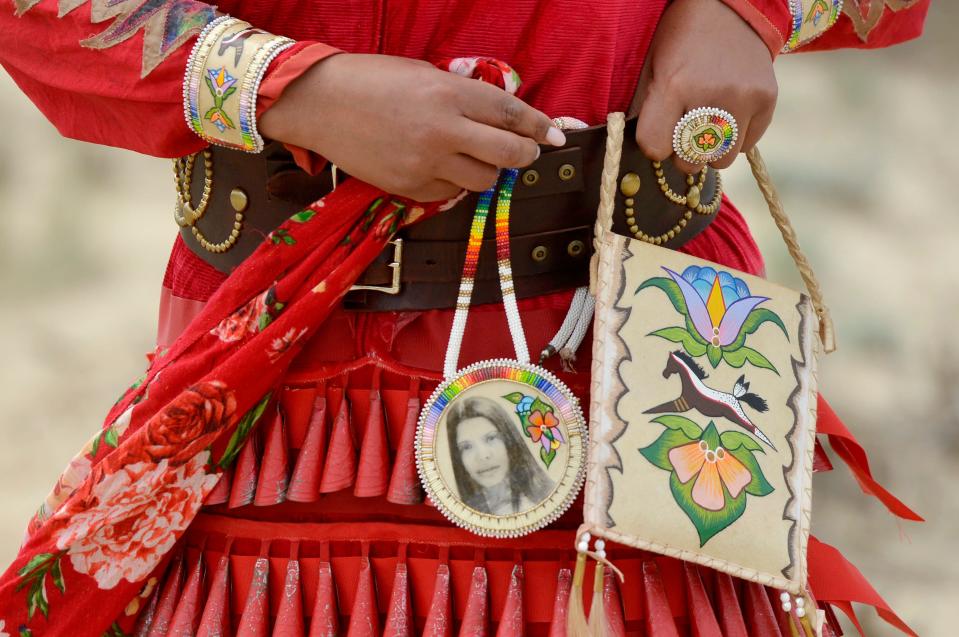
[{"x": 494, "y": 470}]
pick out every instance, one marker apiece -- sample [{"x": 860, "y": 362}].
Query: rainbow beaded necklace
[
  {"x": 503, "y": 203},
  {"x": 532, "y": 431}
]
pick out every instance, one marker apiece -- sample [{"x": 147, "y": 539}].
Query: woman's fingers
[
  {"x": 757, "y": 128},
  {"x": 489, "y": 105},
  {"x": 434, "y": 190},
  {"x": 469, "y": 173},
  {"x": 659, "y": 111},
  {"x": 734, "y": 74},
  {"x": 493, "y": 146}
]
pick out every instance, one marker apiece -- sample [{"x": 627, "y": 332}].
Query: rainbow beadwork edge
[{"x": 811, "y": 18}]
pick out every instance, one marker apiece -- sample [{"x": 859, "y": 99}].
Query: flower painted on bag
[
  {"x": 539, "y": 423},
  {"x": 544, "y": 429},
  {"x": 714, "y": 473},
  {"x": 711, "y": 473},
  {"x": 249, "y": 319},
  {"x": 132, "y": 518},
  {"x": 525, "y": 405},
  {"x": 719, "y": 314},
  {"x": 220, "y": 119},
  {"x": 197, "y": 412}
]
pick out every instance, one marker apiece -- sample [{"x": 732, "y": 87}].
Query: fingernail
[
  {"x": 555, "y": 137},
  {"x": 539, "y": 151}
]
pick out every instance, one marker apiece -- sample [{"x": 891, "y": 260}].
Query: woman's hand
[
  {"x": 406, "y": 126},
  {"x": 703, "y": 54}
]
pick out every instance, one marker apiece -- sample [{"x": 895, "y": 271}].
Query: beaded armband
[
  {"x": 811, "y": 18},
  {"x": 222, "y": 78}
]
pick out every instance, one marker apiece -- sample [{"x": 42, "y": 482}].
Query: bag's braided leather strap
[
  {"x": 827, "y": 332},
  {"x": 615, "y": 122}
]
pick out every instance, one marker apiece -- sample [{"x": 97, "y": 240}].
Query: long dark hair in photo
[{"x": 525, "y": 476}]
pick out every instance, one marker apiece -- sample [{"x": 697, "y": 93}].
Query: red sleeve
[
  {"x": 862, "y": 23},
  {"x": 770, "y": 19},
  {"x": 111, "y": 71},
  {"x": 873, "y": 25}
]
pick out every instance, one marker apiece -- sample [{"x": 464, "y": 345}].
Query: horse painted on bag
[{"x": 708, "y": 401}]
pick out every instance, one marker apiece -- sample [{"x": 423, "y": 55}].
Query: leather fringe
[
  {"x": 302, "y": 601},
  {"x": 320, "y": 440}
]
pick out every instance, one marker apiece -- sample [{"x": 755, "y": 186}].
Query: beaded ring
[{"x": 704, "y": 135}]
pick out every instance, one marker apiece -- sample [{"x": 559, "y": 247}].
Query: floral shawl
[{"x": 128, "y": 496}]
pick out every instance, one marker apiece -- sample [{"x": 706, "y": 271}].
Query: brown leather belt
[{"x": 551, "y": 222}]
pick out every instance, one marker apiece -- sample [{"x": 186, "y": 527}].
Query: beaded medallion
[
  {"x": 500, "y": 444},
  {"x": 501, "y": 448}
]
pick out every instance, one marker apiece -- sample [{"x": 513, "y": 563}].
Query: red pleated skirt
[{"x": 321, "y": 528}]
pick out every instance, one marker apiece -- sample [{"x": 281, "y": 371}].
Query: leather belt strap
[{"x": 551, "y": 223}]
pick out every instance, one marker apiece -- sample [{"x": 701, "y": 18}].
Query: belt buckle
[{"x": 396, "y": 265}]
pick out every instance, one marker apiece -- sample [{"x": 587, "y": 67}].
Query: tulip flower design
[
  {"x": 539, "y": 423},
  {"x": 720, "y": 313},
  {"x": 711, "y": 473},
  {"x": 222, "y": 85}
]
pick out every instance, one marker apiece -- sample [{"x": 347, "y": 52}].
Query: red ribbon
[{"x": 852, "y": 453}]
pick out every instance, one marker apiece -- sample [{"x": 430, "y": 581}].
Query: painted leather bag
[{"x": 703, "y": 408}]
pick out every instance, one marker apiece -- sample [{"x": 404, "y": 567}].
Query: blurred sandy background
[{"x": 862, "y": 149}]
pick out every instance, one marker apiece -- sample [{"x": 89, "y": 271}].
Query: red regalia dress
[{"x": 317, "y": 525}]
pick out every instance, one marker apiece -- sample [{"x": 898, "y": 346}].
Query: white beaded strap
[
  {"x": 505, "y": 191},
  {"x": 569, "y": 324},
  {"x": 222, "y": 80},
  {"x": 568, "y": 351}
]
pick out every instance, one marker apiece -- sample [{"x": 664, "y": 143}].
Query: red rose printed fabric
[{"x": 123, "y": 502}]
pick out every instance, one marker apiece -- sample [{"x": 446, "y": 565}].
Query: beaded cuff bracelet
[
  {"x": 223, "y": 76},
  {"x": 811, "y": 18}
]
